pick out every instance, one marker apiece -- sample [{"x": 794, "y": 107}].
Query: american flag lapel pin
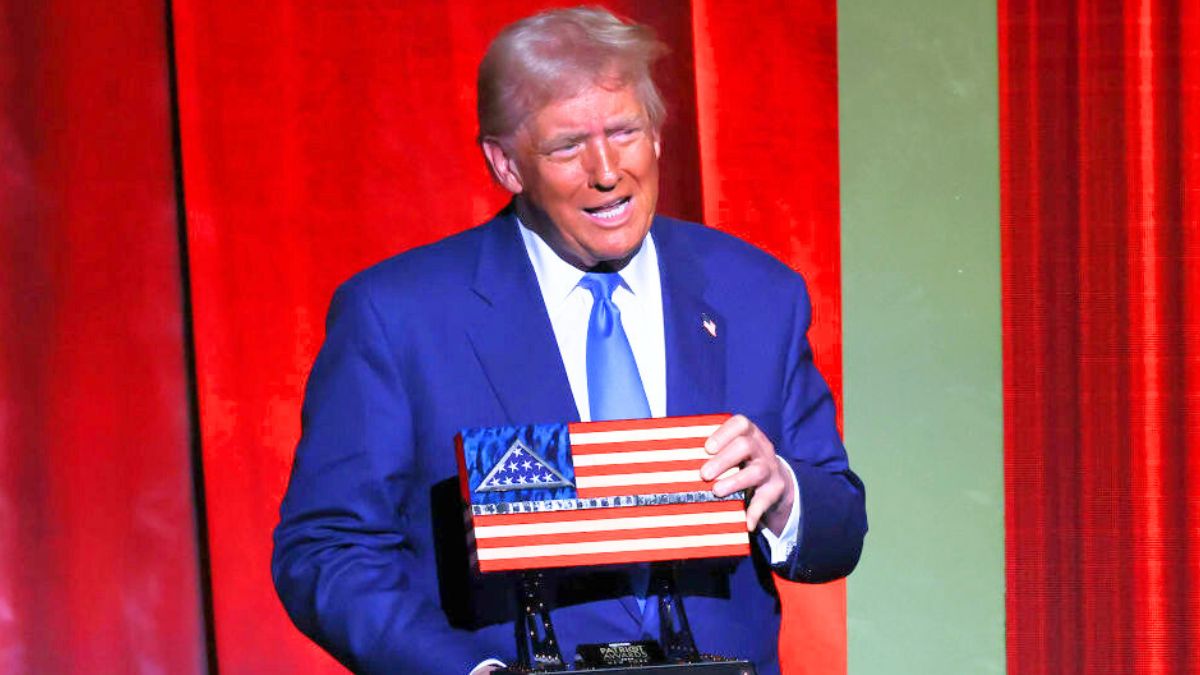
[{"x": 709, "y": 324}]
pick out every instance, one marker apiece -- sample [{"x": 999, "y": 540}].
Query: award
[{"x": 599, "y": 493}]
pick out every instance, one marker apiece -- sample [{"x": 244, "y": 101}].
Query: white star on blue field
[{"x": 520, "y": 468}]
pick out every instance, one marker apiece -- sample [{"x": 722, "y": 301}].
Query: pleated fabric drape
[
  {"x": 319, "y": 138},
  {"x": 99, "y": 564},
  {"x": 310, "y": 140},
  {"x": 1101, "y": 239}
]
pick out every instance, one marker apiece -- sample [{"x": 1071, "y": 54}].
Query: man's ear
[
  {"x": 657, "y": 141},
  {"x": 504, "y": 166}
]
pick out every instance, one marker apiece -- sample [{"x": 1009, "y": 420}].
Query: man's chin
[{"x": 615, "y": 258}]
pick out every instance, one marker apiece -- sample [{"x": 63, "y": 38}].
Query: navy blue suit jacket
[{"x": 370, "y": 557}]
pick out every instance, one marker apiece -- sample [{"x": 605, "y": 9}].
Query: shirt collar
[{"x": 558, "y": 278}]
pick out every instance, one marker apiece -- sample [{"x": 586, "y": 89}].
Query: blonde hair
[{"x": 555, "y": 55}]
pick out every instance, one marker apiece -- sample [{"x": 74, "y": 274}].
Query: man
[{"x": 496, "y": 326}]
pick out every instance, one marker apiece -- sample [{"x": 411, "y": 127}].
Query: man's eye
[
  {"x": 626, "y": 132},
  {"x": 565, "y": 150}
]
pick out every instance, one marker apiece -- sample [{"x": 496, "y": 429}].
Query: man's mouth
[{"x": 610, "y": 211}]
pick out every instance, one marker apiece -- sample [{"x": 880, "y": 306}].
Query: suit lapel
[
  {"x": 514, "y": 341},
  {"x": 695, "y": 335},
  {"x": 695, "y": 358},
  {"x": 512, "y": 335}
]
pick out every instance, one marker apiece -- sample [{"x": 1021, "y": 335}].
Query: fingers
[
  {"x": 738, "y": 443},
  {"x": 765, "y": 498},
  {"x": 743, "y": 458},
  {"x": 730, "y": 445},
  {"x": 749, "y": 477},
  {"x": 735, "y": 426},
  {"x": 732, "y": 454}
]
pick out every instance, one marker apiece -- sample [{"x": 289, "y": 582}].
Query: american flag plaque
[
  {"x": 592, "y": 493},
  {"x": 598, "y": 493}
]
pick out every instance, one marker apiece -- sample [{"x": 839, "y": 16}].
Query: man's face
[{"x": 586, "y": 172}]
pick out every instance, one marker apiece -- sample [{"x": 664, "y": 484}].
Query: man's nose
[{"x": 602, "y": 169}]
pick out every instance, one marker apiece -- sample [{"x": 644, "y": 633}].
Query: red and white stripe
[
  {"x": 628, "y": 457},
  {"x": 641, "y": 457}
]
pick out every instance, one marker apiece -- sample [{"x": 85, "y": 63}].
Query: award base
[
  {"x": 674, "y": 653},
  {"x": 644, "y": 657},
  {"x": 701, "y": 668}
]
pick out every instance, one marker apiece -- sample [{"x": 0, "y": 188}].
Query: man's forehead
[{"x": 591, "y": 108}]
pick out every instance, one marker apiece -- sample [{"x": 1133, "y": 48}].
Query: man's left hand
[{"x": 739, "y": 443}]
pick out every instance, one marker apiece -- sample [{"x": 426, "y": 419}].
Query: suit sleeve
[
  {"x": 833, "y": 519},
  {"x": 343, "y": 562}
]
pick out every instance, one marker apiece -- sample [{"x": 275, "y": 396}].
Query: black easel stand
[
  {"x": 674, "y": 654},
  {"x": 537, "y": 650}
]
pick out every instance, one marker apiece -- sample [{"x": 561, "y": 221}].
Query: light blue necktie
[
  {"x": 615, "y": 391},
  {"x": 614, "y": 387}
]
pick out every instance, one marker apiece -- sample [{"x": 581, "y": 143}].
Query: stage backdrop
[
  {"x": 99, "y": 571},
  {"x": 1101, "y": 149},
  {"x": 320, "y": 137}
]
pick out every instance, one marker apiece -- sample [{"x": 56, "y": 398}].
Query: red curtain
[
  {"x": 313, "y": 139},
  {"x": 98, "y": 555},
  {"x": 320, "y": 137},
  {"x": 1101, "y": 245},
  {"x": 770, "y": 175}
]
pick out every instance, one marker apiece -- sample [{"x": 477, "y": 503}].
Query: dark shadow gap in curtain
[{"x": 204, "y": 559}]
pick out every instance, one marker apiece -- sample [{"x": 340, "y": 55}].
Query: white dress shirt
[{"x": 639, "y": 299}]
